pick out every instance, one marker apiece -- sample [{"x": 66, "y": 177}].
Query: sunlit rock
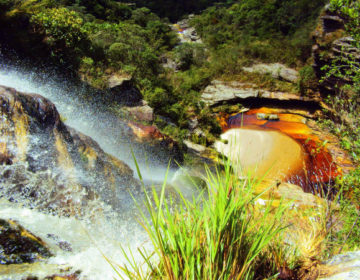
[
  {"x": 118, "y": 79},
  {"x": 195, "y": 148},
  {"x": 142, "y": 112}
]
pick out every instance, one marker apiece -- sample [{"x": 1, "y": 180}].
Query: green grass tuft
[{"x": 221, "y": 237}]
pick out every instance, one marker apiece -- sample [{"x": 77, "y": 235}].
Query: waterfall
[
  {"x": 86, "y": 113},
  {"x": 95, "y": 235}
]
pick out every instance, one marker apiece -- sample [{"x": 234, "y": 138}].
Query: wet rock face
[
  {"x": 46, "y": 164},
  {"x": 18, "y": 246}
]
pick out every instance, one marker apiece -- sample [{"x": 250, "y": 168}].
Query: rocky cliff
[{"x": 46, "y": 164}]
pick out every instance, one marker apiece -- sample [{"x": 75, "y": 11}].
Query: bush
[
  {"x": 63, "y": 28},
  {"x": 308, "y": 79},
  {"x": 189, "y": 54}
]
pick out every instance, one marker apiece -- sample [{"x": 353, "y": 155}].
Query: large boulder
[
  {"x": 46, "y": 164},
  {"x": 24, "y": 255}
]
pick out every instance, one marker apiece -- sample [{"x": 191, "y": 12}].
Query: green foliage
[
  {"x": 308, "y": 79},
  {"x": 270, "y": 31},
  {"x": 345, "y": 104},
  {"x": 109, "y": 10},
  {"x": 174, "y": 9},
  {"x": 347, "y": 236},
  {"x": 349, "y": 8},
  {"x": 223, "y": 238},
  {"x": 346, "y": 67},
  {"x": 189, "y": 54},
  {"x": 142, "y": 16},
  {"x": 62, "y": 27}
]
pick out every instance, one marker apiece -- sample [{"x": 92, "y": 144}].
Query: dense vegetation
[{"x": 264, "y": 30}]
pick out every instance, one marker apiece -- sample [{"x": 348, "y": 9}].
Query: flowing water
[
  {"x": 88, "y": 114},
  {"x": 95, "y": 235}
]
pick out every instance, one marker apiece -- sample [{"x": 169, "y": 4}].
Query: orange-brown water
[{"x": 318, "y": 167}]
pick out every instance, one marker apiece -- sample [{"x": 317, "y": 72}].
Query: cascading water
[
  {"x": 100, "y": 231},
  {"x": 86, "y": 113}
]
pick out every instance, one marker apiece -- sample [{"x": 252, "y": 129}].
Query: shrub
[
  {"x": 142, "y": 16},
  {"x": 308, "y": 79},
  {"x": 189, "y": 54},
  {"x": 63, "y": 28}
]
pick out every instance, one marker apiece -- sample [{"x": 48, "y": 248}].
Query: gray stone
[
  {"x": 261, "y": 116},
  {"x": 344, "y": 266},
  {"x": 345, "y": 47},
  {"x": 276, "y": 70},
  {"x": 169, "y": 63},
  {"x": 142, "y": 113},
  {"x": 219, "y": 91},
  {"x": 196, "y": 148},
  {"x": 270, "y": 117},
  {"x": 273, "y": 117},
  {"x": 193, "y": 123}
]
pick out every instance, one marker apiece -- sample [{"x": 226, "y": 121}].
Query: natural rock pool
[{"x": 284, "y": 149}]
